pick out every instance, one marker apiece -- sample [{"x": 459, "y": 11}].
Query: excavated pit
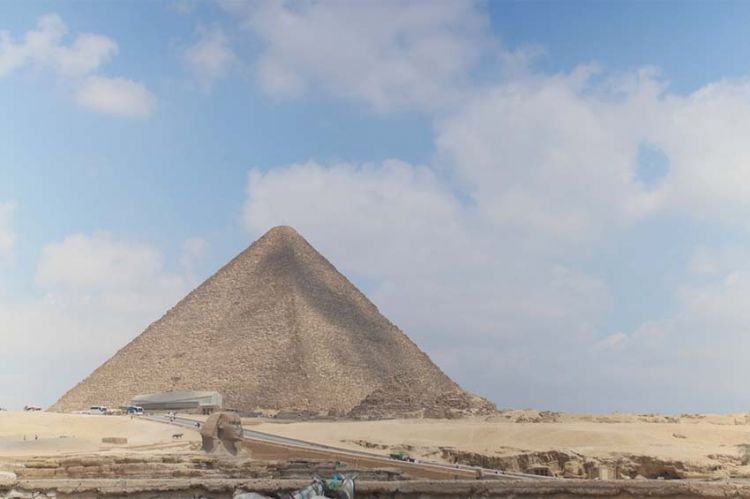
[{"x": 568, "y": 464}]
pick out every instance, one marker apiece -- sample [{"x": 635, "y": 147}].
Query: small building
[{"x": 181, "y": 401}]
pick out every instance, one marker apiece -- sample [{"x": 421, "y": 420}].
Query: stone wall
[
  {"x": 191, "y": 467},
  {"x": 460, "y": 489}
]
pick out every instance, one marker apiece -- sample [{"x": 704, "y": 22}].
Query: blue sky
[{"x": 548, "y": 197}]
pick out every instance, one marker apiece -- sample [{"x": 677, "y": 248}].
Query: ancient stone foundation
[
  {"x": 198, "y": 467},
  {"x": 224, "y": 489},
  {"x": 199, "y": 476}
]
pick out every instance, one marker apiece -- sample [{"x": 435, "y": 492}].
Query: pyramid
[{"x": 279, "y": 329}]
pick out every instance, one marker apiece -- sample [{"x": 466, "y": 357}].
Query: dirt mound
[{"x": 278, "y": 328}]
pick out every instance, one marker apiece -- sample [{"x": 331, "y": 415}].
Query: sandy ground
[
  {"x": 41, "y": 433},
  {"x": 703, "y": 439},
  {"x": 695, "y": 438}
]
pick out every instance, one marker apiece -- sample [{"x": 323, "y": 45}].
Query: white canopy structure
[{"x": 204, "y": 402}]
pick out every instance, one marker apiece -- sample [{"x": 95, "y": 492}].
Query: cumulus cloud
[
  {"x": 96, "y": 293},
  {"x": 210, "y": 58},
  {"x": 702, "y": 135},
  {"x": 547, "y": 156},
  {"x": 78, "y": 61},
  {"x": 44, "y": 47},
  {"x": 116, "y": 96},
  {"x": 90, "y": 270},
  {"x": 560, "y": 152},
  {"x": 390, "y": 55},
  {"x": 82, "y": 262},
  {"x": 7, "y": 234}
]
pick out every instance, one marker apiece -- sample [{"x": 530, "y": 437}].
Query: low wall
[
  {"x": 196, "y": 467},
  {"x": 223, "y": 489}
]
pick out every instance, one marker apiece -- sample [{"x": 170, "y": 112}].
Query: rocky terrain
[
  {"x": 279, "y": 329},
  {"x": 398, "y": 398}
]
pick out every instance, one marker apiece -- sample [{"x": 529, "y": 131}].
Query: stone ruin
[{"x": 222, "y": 433}]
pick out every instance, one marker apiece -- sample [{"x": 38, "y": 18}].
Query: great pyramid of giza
[{"x": 279, "y": 329}]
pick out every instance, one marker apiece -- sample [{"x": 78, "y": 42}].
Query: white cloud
[
  {"x": 703, "y": 134},
  {"x": 7, "y": 234},
  {"x": 45, "y": 48},
  {"x": 558, "y": 154},
  {"x": 712, "y": 262},
  {"x": 116, "y": 96},
  {"x": 82, "y": 262},
  {"x": 391, "y": 55},
  {"x": 98, "y": 292},
  {"x": 698, "y": 350},
  {"x": 98, "y": 270},
  {"x": 210, "y": 58},
  {"x": 78, "y": 62},
  {"x": 547, "y": 156}
]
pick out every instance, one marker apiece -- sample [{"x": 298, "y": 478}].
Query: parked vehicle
[
  {"x": 135, "y": 410},
  {"x": 401, "y": 456}
]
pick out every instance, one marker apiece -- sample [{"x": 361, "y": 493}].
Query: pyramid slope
[{"x": 277, "y": 328}]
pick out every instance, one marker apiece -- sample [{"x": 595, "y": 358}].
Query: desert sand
[
  {"x": 69, "y": 460},
  {"x": 707, "y": 443},
  {"x": 42, "y": 433},
  {"x": 697, "y": 445}
]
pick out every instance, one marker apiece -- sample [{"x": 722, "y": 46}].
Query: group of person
[{"x": 172, "y": 416}]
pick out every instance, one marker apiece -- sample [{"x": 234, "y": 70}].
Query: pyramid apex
[
  {"x": 282, "y": 236},
  {"x": 282, "y": 229}
]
